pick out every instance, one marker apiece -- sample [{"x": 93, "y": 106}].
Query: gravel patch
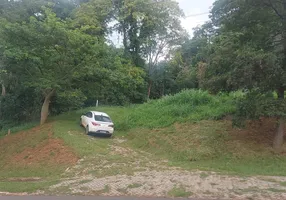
[{"x": 155, "y": 179}]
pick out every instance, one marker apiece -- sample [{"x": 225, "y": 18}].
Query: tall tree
[
  {"x": 150, "y": 30},
  {"x": 46, "y": 54}
]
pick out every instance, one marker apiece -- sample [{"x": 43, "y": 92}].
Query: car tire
[{"x": 86, "y": 130}]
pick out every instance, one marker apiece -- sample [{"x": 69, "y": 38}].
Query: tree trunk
[
  {"x": 3, "y": 90},
  {"x": 279, "y": 137},
  {"x": 45, "y": 106},
  {"x": 149, "y": 89},
  {"x": 163, "y": 89}
]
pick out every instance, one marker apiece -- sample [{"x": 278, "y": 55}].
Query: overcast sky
[{"x": 193, "y": 7}]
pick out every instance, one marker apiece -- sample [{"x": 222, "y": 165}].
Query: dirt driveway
[{"x": 125, "y": 172}]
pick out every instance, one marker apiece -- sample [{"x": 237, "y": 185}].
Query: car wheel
[{"x": 86, "y": 130}]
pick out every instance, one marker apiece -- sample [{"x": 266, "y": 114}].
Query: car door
[{"x": 86, "y": 118}]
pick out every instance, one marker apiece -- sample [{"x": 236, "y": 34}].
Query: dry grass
[{"x": 215, "y": 146}]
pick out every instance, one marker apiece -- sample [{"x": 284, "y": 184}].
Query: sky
[{"x": 193, "y": 7}]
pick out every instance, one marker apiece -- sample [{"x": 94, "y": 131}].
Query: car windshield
[{"x": 102, "y": 118}]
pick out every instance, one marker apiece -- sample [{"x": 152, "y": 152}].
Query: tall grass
[{"x": 188, "y": 105}]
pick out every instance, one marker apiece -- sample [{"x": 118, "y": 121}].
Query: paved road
[{"x": 81, "y": 198}]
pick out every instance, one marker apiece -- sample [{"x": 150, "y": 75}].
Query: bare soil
[
  {"x": 52, "y": 151},
  {"x": 45, "y": 148}
]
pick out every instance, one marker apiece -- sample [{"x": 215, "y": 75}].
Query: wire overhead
[{"x": 199, "y": 14}]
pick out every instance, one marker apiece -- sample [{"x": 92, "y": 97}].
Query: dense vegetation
[{"x": 55, "y": 56}]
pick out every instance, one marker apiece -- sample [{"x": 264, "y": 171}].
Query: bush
[
  {"x": 22, "y": 106},
  {"x": 255, "y": 104},
  {"x": 66, "y": 101}
]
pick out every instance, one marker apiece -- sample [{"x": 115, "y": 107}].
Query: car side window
[{"x": 89, "y": 115}]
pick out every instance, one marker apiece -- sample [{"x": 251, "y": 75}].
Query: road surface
[{"x": 82, "y": 198}]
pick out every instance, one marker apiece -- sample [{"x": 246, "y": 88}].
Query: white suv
[{"x": 97, "y": 123}]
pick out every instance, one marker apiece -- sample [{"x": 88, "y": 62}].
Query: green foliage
[
  {"x": 144, "y": 25},
  {"x": 246, "y": 54},
  {"x": 15, "y": 127},
  {"x": 243, "y": 48},
  {"x": 117, "y": 82},
  {"x": 188, "y": 105},
  {"x": 67, "y": 100},
  {"x": 254, "y": 105},
  {"x": 43, "y": 54},
  {"x": 22, "y": 106},
  {"x": 93, "y": 17},
  {"x": 46, "y": 52}
]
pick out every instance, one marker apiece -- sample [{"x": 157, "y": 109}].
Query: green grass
[
  {"x": 283, "y": 184},
  {"x": 250, "y": 190},
  {"x": 276, "y": 190},
  {"x": 41, "y": 170},
  {"x": 119, "y": 115},
  {"x": 73, "y": 136},
  {"x": 204, "y": 175},
  {"x": 17, "y": 145},
  {"x": 179, "y": 192},
  {"x": 272, "y": 180},
  {"x": 188, "y": 105},
  {"x": 208, "y": 145},
  {"x": 29, "y": 187},
  {"x": 184, "y": 128},
  {"x": 134, "y": 185},
  {"x": 16, "y": 129}
]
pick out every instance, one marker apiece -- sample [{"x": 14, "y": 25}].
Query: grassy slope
[
  {"x": 210, "y": 145},
  {"x": 13, "y": 145},
  {"x": 189, "y": 105},
  {"x": 186, "y": 128}
]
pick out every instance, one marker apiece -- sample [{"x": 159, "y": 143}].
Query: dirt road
[{"x": 133, "y": 173}]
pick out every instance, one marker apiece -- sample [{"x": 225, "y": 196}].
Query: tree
[
  {"x": 150, "y": 30},
  {"x": 45, "y": 53},
  {"x": 115, "y": 81},
  {"x": 249, "y": 52},
  {"x": 3, "y": 76},
  {"x": 94, "y": 17},
  {"x": 21, "y": 10}
]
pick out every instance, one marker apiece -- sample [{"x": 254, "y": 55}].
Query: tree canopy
[{"x": 55, "y": 54}]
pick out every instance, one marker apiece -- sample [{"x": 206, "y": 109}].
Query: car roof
[{"x": 99, "y": 113}]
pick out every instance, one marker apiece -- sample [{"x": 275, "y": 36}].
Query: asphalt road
[{"x": 82, "y": 198}]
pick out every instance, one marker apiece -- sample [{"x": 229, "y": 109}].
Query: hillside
[{"x": 190, "y": 130}]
